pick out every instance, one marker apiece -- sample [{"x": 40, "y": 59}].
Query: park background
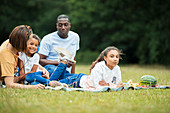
[{"x": 141, "y": 28}]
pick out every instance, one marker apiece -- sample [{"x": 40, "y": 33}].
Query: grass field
[{"x": 129, "y": 101}]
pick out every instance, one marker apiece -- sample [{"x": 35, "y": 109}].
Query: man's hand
[{"x": 69, "y": 64}]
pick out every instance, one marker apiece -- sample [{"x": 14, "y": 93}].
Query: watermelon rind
[{"x": 148, "y": 80}]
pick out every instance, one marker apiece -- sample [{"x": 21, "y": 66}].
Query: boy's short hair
[{"x": 19, "y": 37}]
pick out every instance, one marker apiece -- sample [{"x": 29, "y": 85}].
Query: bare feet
[{"x": 55, "y": 83}]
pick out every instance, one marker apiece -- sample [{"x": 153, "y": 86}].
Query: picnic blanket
[{"x": 126, "y": 86}]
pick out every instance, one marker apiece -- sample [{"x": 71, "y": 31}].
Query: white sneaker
[{"x": 64, "y": 55}]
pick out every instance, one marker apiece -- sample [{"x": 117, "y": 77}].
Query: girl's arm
[
  {"x": 118, "y": 78},
  {"x": 40, "y": 67},
  {"x": 21, "y": 67},
  {"x": 34, "y": 69},
  {"x": 96, "y": 75},
  {"x": 103, "y": 83},
  {"x": 22, "y": 75},
  {"x": 118, "y": 74},
  {"x": 34, "y": 61},
  {"x": 36, "y": 65}
]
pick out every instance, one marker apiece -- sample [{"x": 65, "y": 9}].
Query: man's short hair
[{"x": 63, "y": 16}]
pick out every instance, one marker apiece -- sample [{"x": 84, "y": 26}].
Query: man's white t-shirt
[
  {"x": 101, "y": 72},
  {"x": 28, "y": 62},
  {"x": 52, "y": 40}
]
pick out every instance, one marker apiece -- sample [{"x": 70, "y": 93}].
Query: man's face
[{"x": 63, "y": 27}]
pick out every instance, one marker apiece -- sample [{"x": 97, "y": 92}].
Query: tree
[{"x": 140, "y": 28}]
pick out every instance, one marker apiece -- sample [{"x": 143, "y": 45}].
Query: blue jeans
[
  {"x": 73, "y": 80},
  {"x": 37, "y": 77},
  {"x": 53, "y": 70},
  {"x": 17, "y": 73},
  {"x": 60, "y": 73}
]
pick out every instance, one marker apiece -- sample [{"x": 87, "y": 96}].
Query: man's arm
[
  {"x": 73, "y": 67},
  {"x": 44, "y": 61}
]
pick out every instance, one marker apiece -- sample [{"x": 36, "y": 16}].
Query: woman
[{"x": 9, "y": 57}]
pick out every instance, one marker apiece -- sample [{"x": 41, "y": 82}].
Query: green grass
[{"x": 138, "y": 101}]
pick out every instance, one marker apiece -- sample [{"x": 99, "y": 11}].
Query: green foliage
[
  {"x": 139, "y": 28},
  {"x": 87, "y": 57},
  {"x": 41, "y": 15}
]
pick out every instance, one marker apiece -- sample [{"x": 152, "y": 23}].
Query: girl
[
  {"x": 9, "y": 57},
  {"x": 30, "y": 67},
  {"x": 104, "y": 71}
]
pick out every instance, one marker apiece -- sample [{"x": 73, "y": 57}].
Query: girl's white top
[
  {"x": 101, "y": 72},
  {"x": 28, "y": 62}
]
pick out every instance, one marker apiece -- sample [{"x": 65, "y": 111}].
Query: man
[{"x": 63, "y": 38}]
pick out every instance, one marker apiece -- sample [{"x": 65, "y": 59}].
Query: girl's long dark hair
[{"x": 104, "y": 53}]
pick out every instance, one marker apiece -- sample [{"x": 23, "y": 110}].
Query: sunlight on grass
[{"x": 130, "y": 101}]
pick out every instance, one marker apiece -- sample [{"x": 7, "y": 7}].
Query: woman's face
[
  {"x": 112, "y": 59},
  {"x": 32, "y": 46}
]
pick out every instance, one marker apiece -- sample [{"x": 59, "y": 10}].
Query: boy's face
[
  {"x": 63, "y": 27},
  {"x": 32, "y": 46},
  {"x": 112, "y": 58}
]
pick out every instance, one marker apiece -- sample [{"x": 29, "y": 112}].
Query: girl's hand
[
  {"x": 120, "y": 84},
  {"x": 45, "y": 76},
  {"x": 112, "y": 85},
  {"x": 45, "y": 73},
  {"x": 103, "y": 83}
]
